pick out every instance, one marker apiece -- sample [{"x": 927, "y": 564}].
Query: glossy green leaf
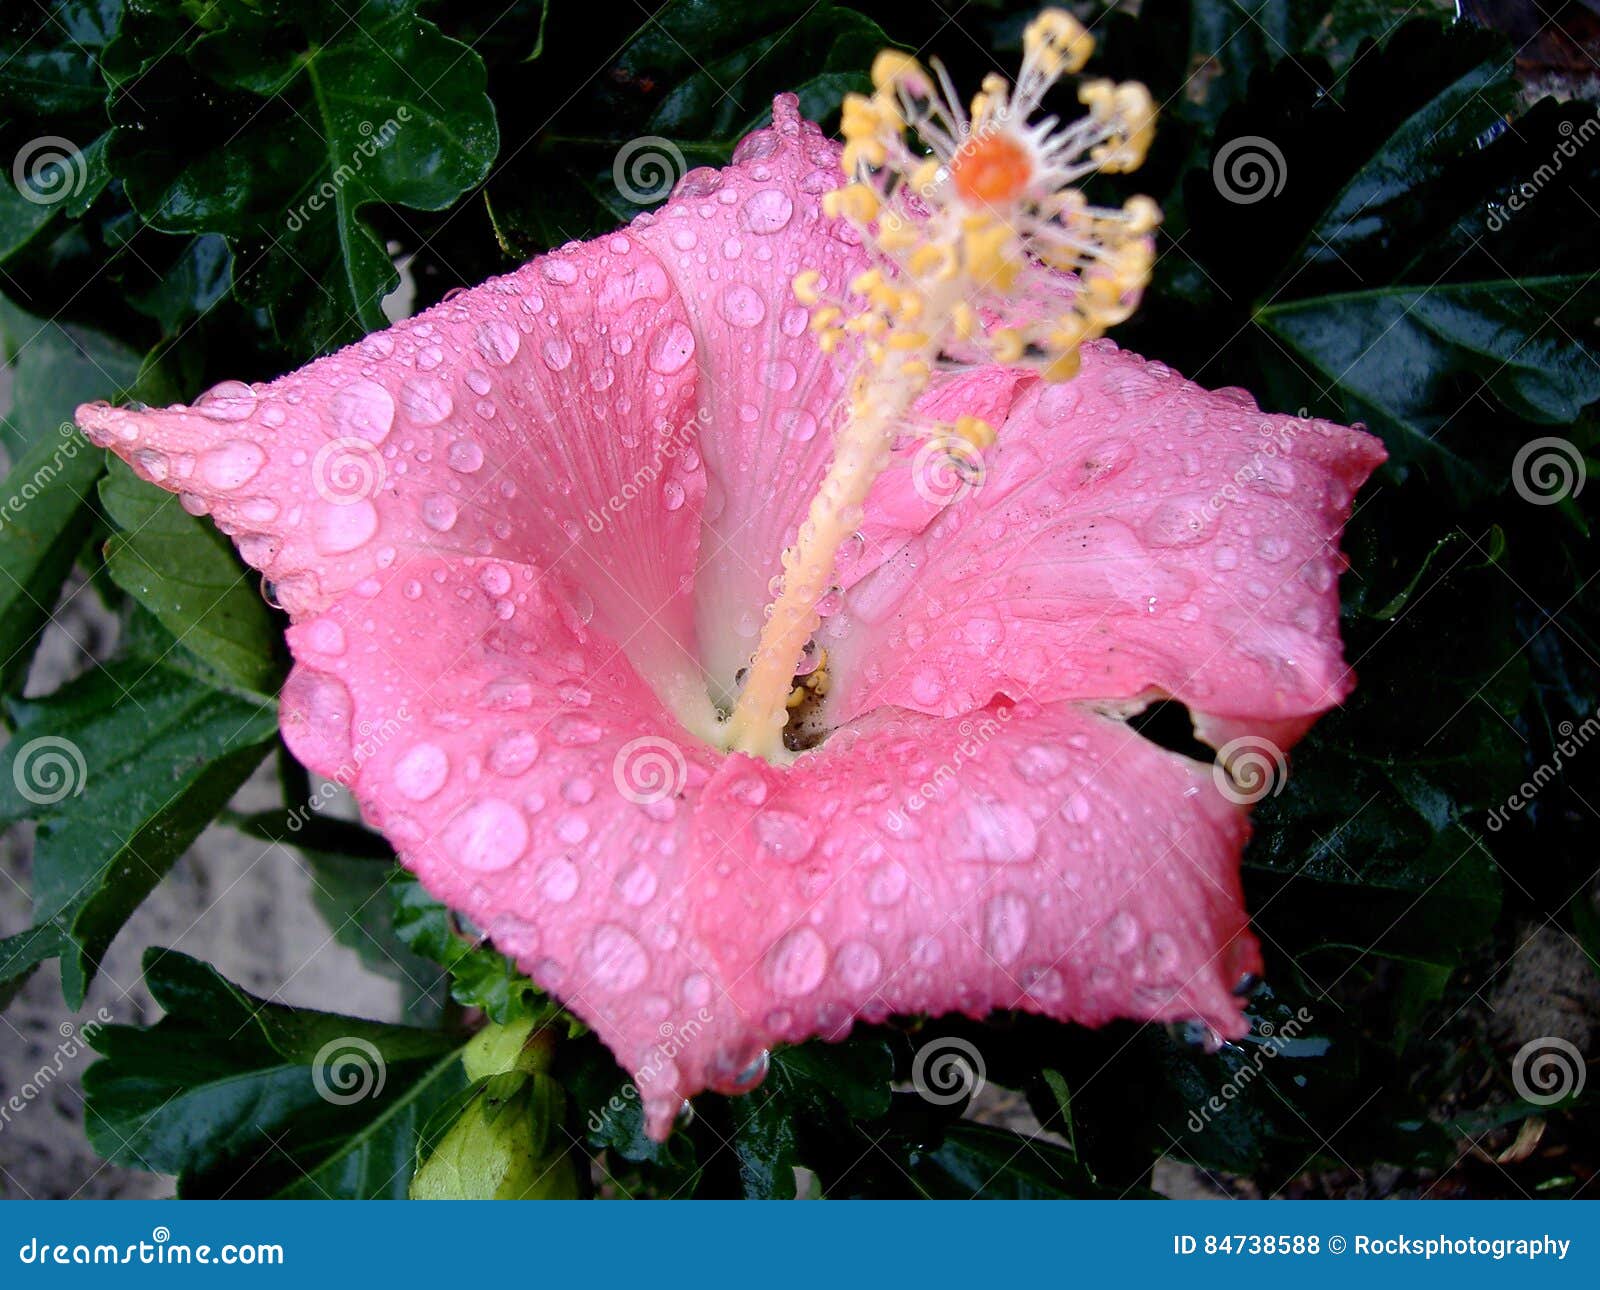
[
  {"x": 314, "y": 115},
  {"x": 243, "y": 1097},
  {"x": 479, "y": 977},
  {"x": 189, "y": 577},
  {"x": 122, "y": 768}
]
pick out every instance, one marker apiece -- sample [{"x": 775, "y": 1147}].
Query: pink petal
[
  {"x": 539, "y": 417},
  {"x": 1134, "y": 535},
  {"x": 1047, "y": 859},
  {"x": 733, "y": 241},
  {"x": 1044, "y": 859},
  {"x": 531, "y": 780}
]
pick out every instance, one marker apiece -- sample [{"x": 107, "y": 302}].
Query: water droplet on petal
[
  {"x": 858, "y": 965},
  {"x": 465, "y": 456},
  {"x": 1122, "y": 932},
  {"x": 741, "y": 306},
  {"x": 614, "y": 960},
  {"x": 338, "y": 529},
  {"x": 421, "y": 772},
  {"x": 497, "y": 341},
  {"x": 363, "y": 410},
  {"x": 671, "y": 349},
  {"x": 229, "y": 401},
  {"x": 438, "y": 512},
  {"x": 487, "y": 836},
  {"x": 785, "y": 835},
  {"x": 637, "y": 884},
  {"x": 232, "y": 465},
  {"x": 426, "y": 400},
  {"x": 994, "y": 832},
  {"x": 887, "y": 884},
  {"x": 558, "y": 879},
  {"x": 557, "y": 353},
  {"x": 514, "y": 753},
  {"x": 767, "y": 211},
  {"x": 1005, "y": 927},
  {"x": 796, "y": 965}
]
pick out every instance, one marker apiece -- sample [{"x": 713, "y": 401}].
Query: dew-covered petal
[
  {"x": 1048, "y": 859},
  {"x": 1131, "y": 535},
  {"x": 523, "y": 419},
  {"x": 733, "y": 240},
  {"x": 534, "y": 782}
]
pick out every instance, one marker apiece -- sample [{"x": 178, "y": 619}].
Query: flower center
[
  {"x": 973, "y": 218},
  {"x": 991, "y": 170}
]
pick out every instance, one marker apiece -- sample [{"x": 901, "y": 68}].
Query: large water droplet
[
  {"x": 229, "y": 401},
  {"x": 614, "y": 960},
  {"x": 767, "y": 211},
  {"x": 426, "y": 400},
  {"x": 785, "y": 835},
  {"x": 497, "y": 341},
  {"x": 421, "y": 772},
  {"x": 464, "y": 456},
  {"x": 994, "y": 832},
  {"x": 858, "y": 965},
  {"x": 1005, "y": 927},
  {"x": 438, "y": 512},
  {"x": 741, "y": 306},
  {"x": 558, "y": 879},
  {"x": 796, "y": 965},
  {"x": 338, "y": 529},
  {"x": 887, "y": 884},
  {"x": 363, "y": 410},
  {"x": 671, "y": 349},
  {"x": 514, "y": 753},
  {"x": 232, "y": 465},
  {"x": 487, "y": 836},
  {"x": 557, "y": 353}
]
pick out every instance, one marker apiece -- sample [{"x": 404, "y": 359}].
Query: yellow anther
[
  {"x": 933, "y": 260},
  {"x": 963, "y": 321},
  {"x": 984, "y": 250},
  {"x": 805, "y": 287},
  {"x": 1142, "y": 214},
  {"x": 855, "y": 202},
  {"x": 976, "y": 431},
  {"x": 925, "y": 176},
  {"x": 892, "y": 67},
  {"x": 1006, "y": 344},
  {"x": 1096, "y": 96},
  {"x": 1064, "y": 367},
  {"x": 797, "y": 696},
  {"x": 858, "y": 116},
  {"x": 862, "y": 152},
  {"x": 863, "y": 284},
  {"x": 1070, "y": 332},
  {"x": 1056, "y": 31},
  {"x": 907, "y": 340},
  {"x": 824, "y": 318},
  {"x": 909, "y": 306}
]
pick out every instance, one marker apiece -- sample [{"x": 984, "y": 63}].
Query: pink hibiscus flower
[{"x": 526, "y": 539}]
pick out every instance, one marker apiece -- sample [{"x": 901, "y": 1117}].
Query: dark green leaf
[
  {"x": 312, "y": 116},
  {"x": 187, "y": 575},
  {"x": 479, "y": 977},
  {"x": 243, "y": 1097},
  {"x": 122, "y": 769}
]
